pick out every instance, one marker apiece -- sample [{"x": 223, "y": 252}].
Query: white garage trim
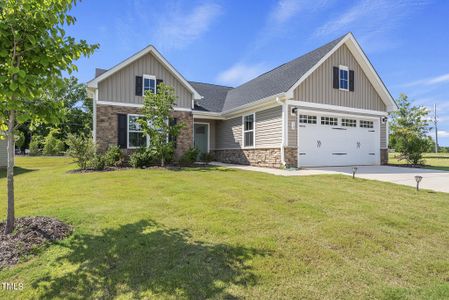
[{"x": 311, "y": 105}]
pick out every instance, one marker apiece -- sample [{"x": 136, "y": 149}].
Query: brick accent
[
  {"x": 383, "y": 156},
  {"x": 107, "y": 127},
  {"x": 267, "y": 157}
]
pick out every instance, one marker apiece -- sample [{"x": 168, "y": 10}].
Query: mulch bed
[{"x": 29, "y": 234}]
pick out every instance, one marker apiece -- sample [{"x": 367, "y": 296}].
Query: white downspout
[{"x": 284, "y": 116}]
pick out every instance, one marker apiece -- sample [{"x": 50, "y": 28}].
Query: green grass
[
  {"x": 436, "y": 161},
  {"x": 220, "y": 233}
]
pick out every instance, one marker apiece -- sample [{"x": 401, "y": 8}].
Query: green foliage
[
  {"x": 189, "y": 157},
  {"x": 157, "y": 122},
  {"x": 206, "y": 157},
  {"x": 53, "y": 145},
  {"x": 114, "y": 157},
  {"x": 409, "y": 130},
  {"x": 143, "y": 158},
  {"x": 36, "y": 145},
  {"x": 82, "y": 149},
  {"x": 97, "y": 163},
  {"x": 20, "y": 139}
]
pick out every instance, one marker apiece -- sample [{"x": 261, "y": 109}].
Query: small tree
[
  {"x": 157, "y": 121},
  {"x": 409, "y": 130},
  {"x": 34, "y": 53}
]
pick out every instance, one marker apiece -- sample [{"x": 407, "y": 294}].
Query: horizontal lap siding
[
  {"x": 120, "y": 86},
  {"x": 229, "y": 133},
  {"x": 383, "y": 135},
  {"x": 292, "y": 133},
  {"x": 269, "y": 127},
  {"x": 318, "y": 88}
]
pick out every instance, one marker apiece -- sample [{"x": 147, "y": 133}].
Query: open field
[
  {"x": 436, "y": 161},
  {"x": 221, "y": 233}
]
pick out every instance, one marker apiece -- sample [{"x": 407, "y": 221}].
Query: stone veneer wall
[
  {"x": 267, "y": 157},
  {"x": 291, "y": 157},
  {"x": 107, "y": 127},
  {"x": 383, "y": 156}
]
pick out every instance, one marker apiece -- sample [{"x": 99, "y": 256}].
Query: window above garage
[{"x": 343, "y": 78}]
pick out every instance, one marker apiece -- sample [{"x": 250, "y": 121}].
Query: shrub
[
  {"x": 142, "y": 158},
  {"x": 53, "y": 145},
  {"x": 114, "y": 157},
  {"x": 36, "y": 145},
  {"x": 97, "y": 162},
  {"x": 82, "y": 149},
  {"x": 189, "y": 157},
  {"x": 206, "y": 157}
]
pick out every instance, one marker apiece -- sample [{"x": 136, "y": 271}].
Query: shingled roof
[
  {"x": 213, "y": 96},
  {"x": 279, "y": 80}
]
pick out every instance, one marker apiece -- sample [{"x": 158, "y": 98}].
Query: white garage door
[{"x": 330, "y": 140}]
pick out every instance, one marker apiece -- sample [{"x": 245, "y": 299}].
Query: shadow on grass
[
  {"x": 145, "y": 256},
  {"x": 17, "y": 171}
]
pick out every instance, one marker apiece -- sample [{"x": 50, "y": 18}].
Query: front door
[{"x": 201, "y": 137}]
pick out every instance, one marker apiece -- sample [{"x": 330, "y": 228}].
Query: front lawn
[
  {"x": 436, "y": 161},
  {"x": 221, "y": 233}
]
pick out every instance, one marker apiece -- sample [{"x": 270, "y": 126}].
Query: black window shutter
[
  {"x": 139, "y": 85},
  {"x": 336, "y": 78},
  {"x": 157, "y": 84},
  {"x": 351, "y": 80},
  {"x": 121, "y": 131},
  {"x": 171, "y": 138}
]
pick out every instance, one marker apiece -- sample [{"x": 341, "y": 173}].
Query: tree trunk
[{"x": 10, "y": 173}]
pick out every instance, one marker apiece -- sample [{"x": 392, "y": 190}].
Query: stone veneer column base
[
  {"x": 291, "y": 157},
  {"x": 383, "y": 156},
  {"x": 266, "y": 157},
  {"x": 107, "y": 131}
]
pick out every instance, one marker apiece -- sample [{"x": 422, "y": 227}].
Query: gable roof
[
  {"x": 278, "y": 80},
  {"x": 213, "y": 96},
  {"x": 149, "y": 49}
]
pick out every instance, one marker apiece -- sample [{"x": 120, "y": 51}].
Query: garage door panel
[{"x": 327, "y": 145}]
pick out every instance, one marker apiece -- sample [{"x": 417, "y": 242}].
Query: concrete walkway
[{"x": 432, "y": 179}]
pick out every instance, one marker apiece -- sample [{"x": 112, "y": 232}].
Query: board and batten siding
[
  {"x": 268, "y": 130},
  {"x": 3, "y": 154},
  {"x": 121, "y": 86},
  {"x": 318, "y": 87}
]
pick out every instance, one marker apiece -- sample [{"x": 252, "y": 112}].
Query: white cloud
[
  {"x": 285, "y": 10},
  {"x": 179, "y": 28},
  {"x": 370, "y": 16},
  {"x": 443, "y": 133},
  {"x": 240, "y": 73},
  {"x": 429, "y": 81}
]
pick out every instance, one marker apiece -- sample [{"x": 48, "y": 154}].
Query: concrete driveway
[{"x": 432, "y": 179}]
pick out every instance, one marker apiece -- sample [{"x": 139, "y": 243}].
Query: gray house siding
[
  {"x": 120, "y": 86},
  {"x": 318, "y": 86},
  {"x": 269, "y": 127},
  {"x": 3, "y": 154},
  {"x": 268, "y": 130},
  {"x": 383, "y": 135}
]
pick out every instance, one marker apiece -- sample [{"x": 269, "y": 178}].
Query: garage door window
[
  {"x": 329, "y": 121},
  {"x": 366, "y": 124},
  {"x": 348, "y": 122},
  {"x": 305, "y": 119},
  {"x": 248, "y": 130}
]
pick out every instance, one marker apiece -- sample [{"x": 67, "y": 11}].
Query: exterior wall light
[{"x": 418, "y": 180}]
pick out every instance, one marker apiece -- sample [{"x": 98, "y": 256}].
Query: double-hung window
[
  {"x": 136, "y": 137},
  {"x": 149, "y": 84},
  {"x": 344, "y": 78},
  {"x": 248, "y": 130}
]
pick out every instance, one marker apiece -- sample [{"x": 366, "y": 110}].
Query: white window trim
[
  {"x": 345, "y": 68},
  {"x": 253, "y": 131},
  {"x": 208, "y": 133},
  {"x": 146, "y": 76},
  {"x": 127, "y": 132}
]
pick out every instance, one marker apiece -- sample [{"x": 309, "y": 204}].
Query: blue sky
[{"x": 229, "y": 41}]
